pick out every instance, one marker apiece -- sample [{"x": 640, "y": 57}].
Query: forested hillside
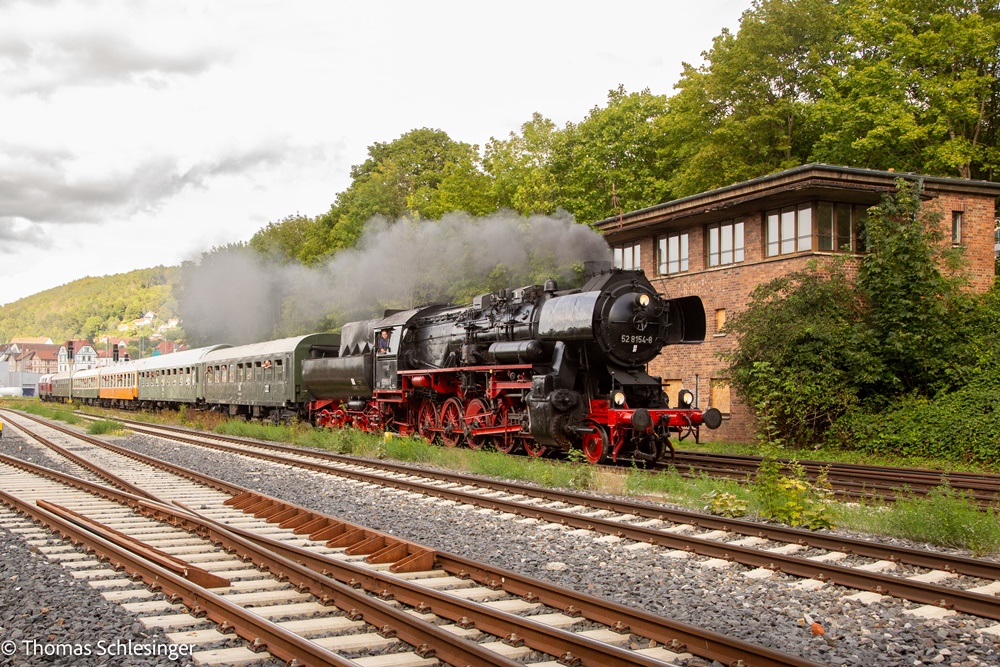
[{"x": 89, "y": 307}]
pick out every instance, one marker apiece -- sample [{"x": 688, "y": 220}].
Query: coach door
[{"x": 386, "y": 356}]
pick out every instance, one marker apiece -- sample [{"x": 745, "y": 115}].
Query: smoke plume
[{"x": 400, "y": 264}]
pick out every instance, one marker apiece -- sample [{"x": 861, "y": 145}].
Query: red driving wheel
[
  {"x": 427, "y": 421},
  {"x": 452, "y": 426}
]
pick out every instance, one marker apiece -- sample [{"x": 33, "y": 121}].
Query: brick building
[{"x": 721, "y": 244}]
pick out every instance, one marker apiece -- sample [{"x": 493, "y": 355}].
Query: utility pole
[{"x": 69, "y": 358}]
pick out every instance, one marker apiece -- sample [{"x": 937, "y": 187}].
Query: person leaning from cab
[{"x": 382, "y": 346}]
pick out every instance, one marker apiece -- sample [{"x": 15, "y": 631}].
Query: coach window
[
  {"x": 627, "y": 256},
  {"x": 789, "y": 230},
  {"x": 279, "y": 370},
  {"x": 725, "y": 243},
  {"x": 673, "y": 253},
  {"x": 257, "y": 372}
]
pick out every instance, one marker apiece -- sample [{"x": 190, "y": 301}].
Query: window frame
[
  {"x": 664, "y": 259},
  {"x": 632, "y": 250},
  {"x": 727, "y": 229}
]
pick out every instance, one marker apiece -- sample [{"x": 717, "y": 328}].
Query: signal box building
[{"x": 721, "y": 244}]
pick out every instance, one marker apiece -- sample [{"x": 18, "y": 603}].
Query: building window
[
  {"x": 627, "y": 256},
  {"x": 672, "y": 388},
  {"x": 725, "y": 243},
  {"x": 720, "y": 320},
  {"x": 673, "y": 253},
  {"x": 956, "y": 227},
  {"x": 789, "y": 230},
  {"x": 719, "y": 395},
  {"x": 839, "y": 227}
]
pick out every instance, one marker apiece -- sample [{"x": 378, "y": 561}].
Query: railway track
[
  {"x": 849, "y": 481},
  {"x": 318, "y": 563},
  {"x": 941, "y": 582}
]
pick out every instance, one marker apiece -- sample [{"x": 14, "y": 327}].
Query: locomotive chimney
[{"x": 594, "y": 267}]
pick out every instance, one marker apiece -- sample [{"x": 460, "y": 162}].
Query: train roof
[
  {"x": 272, "y": 348},
  {"x": 174, "y": 359}
]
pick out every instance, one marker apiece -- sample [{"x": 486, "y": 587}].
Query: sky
[{"x": 139, "y": 133}]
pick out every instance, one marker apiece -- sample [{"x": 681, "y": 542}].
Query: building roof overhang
[{"x": 811, "y": 181}]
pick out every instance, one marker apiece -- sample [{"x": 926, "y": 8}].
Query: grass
[
  {"x": 945, "y": 517},
  {"x": 106, "y": 427}
]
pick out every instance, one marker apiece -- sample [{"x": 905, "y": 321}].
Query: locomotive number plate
[{"x": 642, "y": 340}]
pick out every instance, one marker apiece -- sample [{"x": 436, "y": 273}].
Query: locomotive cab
[{"x": 386, "y": 346}]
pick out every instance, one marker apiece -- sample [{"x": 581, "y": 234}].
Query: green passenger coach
[{"x": 262, "y": 380}]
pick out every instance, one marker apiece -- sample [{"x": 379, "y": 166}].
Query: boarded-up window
[
  {"x": 720, "y": 319},
  {"x": 719, "y": 395},
  {"x": 672, "y": 387}
]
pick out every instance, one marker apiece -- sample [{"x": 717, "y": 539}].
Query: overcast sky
[{"x": 134, "y": 134}]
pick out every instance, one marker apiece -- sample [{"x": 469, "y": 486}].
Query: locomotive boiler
[{"x": 535, "y": 368}]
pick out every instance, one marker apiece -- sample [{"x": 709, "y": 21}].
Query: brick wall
[{"x": 728, "y": 288}]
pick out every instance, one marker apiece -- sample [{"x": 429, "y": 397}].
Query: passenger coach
[{"x": 264, "y": 380}]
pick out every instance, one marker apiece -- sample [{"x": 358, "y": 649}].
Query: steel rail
[
  {"x": 977, "y": 604},
  {"x": 671, "y": 633},
  {"x": 910, "y": 556},
  {"x": 262, "y": 633},
  {"x": 190, "y": 572},
  {"x": 569, "y": 647},
  {"x": 701, "y": 642},
  {"x": 77, "y": 459},
  {"x": 429, "y": 639},
  {"x": 851, "y": 480}
]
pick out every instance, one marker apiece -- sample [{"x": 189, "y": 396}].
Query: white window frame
[{"x": 627, "y": 256}]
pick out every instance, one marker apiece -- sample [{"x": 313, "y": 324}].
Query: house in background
[
  {"x": 84, "y": 356},
  {"x": 24, "y": 360},
  {"x": 719, "y": 245}
]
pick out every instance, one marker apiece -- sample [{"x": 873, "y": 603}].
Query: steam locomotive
[{"x": 536, "y": 369}]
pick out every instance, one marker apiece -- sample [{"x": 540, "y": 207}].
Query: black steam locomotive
[{"x": 535, "y": 368}]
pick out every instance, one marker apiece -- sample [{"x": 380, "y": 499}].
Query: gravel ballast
[{"x": 767, "y": 611}]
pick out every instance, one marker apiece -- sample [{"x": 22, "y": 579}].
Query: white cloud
[{"x": 134, "y": 134}]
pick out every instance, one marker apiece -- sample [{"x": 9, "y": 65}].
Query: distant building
[
  {"x": 31, "y": 341},
  {"x": 84, "y": 356},
  {"x": 23, "y": 362}
]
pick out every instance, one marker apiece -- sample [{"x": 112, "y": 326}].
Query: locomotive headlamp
[
  {"x": 685, "y": 398},
  {"x": 618, "y": 397},
  {"x": 642, "y": 300}
]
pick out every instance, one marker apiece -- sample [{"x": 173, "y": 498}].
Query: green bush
[
  {"x": 791, "y": 498},
  {"x": 105, "y": 427},
  {"x": 962, "y": 426}
]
